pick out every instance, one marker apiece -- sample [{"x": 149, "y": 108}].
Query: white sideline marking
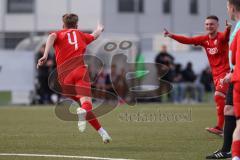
[{"x": 59, "y": 156}]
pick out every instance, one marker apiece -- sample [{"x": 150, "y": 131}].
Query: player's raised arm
[
  {"x": 50, "y": 41},
  {"x": 197, "y": 40},
  {"x": 227, "y": 31},
  {"x": 98, "y": 31}
]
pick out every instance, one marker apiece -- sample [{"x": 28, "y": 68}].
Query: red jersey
[
  {"x": 216, "y": 49},
  {"x": 70, "y": 43},
  {"x": 235, "y": 48}
]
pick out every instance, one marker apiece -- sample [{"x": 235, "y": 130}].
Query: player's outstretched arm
[
  {"x": 197, "y": 40},
  {"x": 98, "y": 31},
  {"x": 50, "y": 41},
  {"x": 227, "y": 31}
]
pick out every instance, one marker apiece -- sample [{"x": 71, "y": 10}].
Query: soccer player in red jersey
[
  {"x": 69, "y": 43},
  {"x": 233, "y": 7},
  {"x": 216, "y": 46}
]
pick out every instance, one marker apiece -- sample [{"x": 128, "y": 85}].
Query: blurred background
[{"x": 25, "y": 24}]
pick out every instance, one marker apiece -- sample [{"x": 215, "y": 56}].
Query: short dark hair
[
  {"x": 213, "y": 17},
  {"x": 236, "y": 4},
  {"x": 70, "y": 20}
]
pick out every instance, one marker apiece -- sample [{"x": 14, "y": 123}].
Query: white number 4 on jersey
[{"x": 74, "y": 41}]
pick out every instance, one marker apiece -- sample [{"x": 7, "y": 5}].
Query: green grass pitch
[{"x": 178, "y": 134}]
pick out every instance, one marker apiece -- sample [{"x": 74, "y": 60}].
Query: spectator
[
  {"x": 42, "y": 76},
  {"x": 178, "y": 85},
  {"x": 199, "y": 88},
  {"x": 166, "y": 59},
  {"x": 189, "y": 78},
  {"x": 188, "y": 74},
  {"x": 207, "y": 80}
]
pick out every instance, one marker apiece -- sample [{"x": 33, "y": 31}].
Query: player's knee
[
  {"x": 219, "y": 95},
  {"x": 220, "y": 101},
  {"x": 228, "y": 110}
]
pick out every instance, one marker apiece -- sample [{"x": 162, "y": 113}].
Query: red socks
[
  {"x": 94, "y": 122},
  {"x": 220, "y": 102},
  {"x": 236, "y": 149}
]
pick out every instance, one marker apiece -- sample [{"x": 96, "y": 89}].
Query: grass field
[{"x": 36, "y": 130}]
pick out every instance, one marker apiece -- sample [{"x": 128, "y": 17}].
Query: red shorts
[
  {"x": 75, "y": 83},
  {"x": 218, "y": 87},
  {"x": 236, "y": 99}
]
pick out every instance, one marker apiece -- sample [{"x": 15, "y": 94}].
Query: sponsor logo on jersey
[{"x": 212, "y": 51}]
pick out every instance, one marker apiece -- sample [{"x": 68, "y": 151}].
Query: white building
[
  {"x": 20, "y": 18},
  {"x": 151, "y": 16},
  {"x": 147, "y": 18}
]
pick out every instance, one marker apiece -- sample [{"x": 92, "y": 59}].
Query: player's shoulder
[
  {"x": 83, "y": 33},
  {"x": 56, "y": 32},
  {"x": 221, "y": 35},
  {"x": 202, "y": 36}
]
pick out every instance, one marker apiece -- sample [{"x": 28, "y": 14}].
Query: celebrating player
[
  {"x": 216, "y": 46},
  {"x": 234, "y": 77},
  {"x": 69, "y": 43},
  {"x": 230, "y": 119}
]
